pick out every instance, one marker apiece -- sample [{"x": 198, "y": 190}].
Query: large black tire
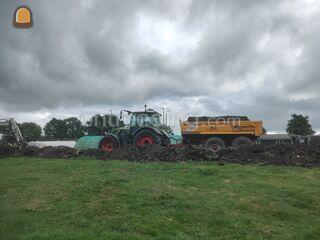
[
  {"x": 241, "y": 141},
  {"x": 146, "y": 137},
  {"x": 215, "y": 144},
  {"x": 109, "y": 144}
]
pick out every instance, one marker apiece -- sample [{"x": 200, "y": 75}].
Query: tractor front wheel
[
  {"x": 146, "y": 137},
  {"x": 108, "y": 144}
]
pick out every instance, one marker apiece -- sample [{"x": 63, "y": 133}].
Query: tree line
[{"x": 63, "y": 129}]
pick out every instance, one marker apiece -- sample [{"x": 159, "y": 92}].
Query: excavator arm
[{"x": 10, "y": 122}]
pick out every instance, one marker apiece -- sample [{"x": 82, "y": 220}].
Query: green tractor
[{"x": 143, "y": 130}]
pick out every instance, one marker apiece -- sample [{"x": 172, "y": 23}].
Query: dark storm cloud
[
  {"x": 257, "y": 58},
  {"x": 75, "y": 53}
]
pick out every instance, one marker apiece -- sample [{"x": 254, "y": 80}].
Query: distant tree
[
  {"x": 299, "y": 125},
  {"x": 101, "y": 125},
  {"x": 67, "y": 129},
  {"x": 55, "y": 129},
  {"x": 167, "y": 129},
  {"x": 30, "y": 131},
  {"x": 74, "y": 128}
]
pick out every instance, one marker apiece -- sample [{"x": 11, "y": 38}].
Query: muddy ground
[{"x": 293, "y": 155}]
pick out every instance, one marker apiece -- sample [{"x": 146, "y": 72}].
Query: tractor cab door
[{"x": 134, "y": 126}]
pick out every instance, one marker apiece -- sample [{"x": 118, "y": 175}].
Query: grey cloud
[{"x": 274, "y": 111}]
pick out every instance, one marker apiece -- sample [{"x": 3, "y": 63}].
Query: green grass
[{"x": 90, "y": 199}]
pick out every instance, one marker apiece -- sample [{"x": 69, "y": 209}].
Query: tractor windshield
[{"x": 145, "y": 120}]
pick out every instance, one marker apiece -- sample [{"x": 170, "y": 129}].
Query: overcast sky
[{"x": 201, "y": 57}]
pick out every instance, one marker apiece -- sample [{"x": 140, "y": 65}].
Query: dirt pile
[
  {"x": 57, "y": 152},
  {"x": 165, "y": 154},
  {"x": 294, "y": 155},
  {"x": 282, "y": 154},
  {"x": 46, "y": 152},
  {"x": 7, "y": 151},
  {"x": 315, "y": 140}
]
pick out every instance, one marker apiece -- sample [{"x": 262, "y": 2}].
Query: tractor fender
[{"x": 157, "y": 131}]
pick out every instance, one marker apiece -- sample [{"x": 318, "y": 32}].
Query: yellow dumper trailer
[{"x": 220, "y": 132}]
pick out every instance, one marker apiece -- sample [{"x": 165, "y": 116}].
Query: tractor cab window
[{"x": 145, "y": 120}]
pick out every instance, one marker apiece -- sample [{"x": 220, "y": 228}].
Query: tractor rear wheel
[
  {"x": 146, "y": 137},
  {"x": 215, "y": 144},
  {"x": 241, "y": 141},
  {"x": 108, "y": 144}
]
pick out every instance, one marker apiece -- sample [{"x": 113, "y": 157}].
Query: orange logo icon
[{"x": 22, "y": 17}]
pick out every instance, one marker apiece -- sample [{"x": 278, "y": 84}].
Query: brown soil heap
[{"x": 293, "y": 155}]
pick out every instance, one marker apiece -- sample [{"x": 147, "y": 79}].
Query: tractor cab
[
  {"x": 148, "y": 118},
  {"x": 141, "y": 119}
]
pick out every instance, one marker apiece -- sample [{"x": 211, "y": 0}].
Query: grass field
[{"x": 90, "y": 199}]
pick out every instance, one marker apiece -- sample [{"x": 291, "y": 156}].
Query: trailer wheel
[
  {"x": 241, "y": 141},
  {"x": 146, "y": 137},
  {"x": 109, "y": 144},
  {"x": 215, "y": 144}
]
